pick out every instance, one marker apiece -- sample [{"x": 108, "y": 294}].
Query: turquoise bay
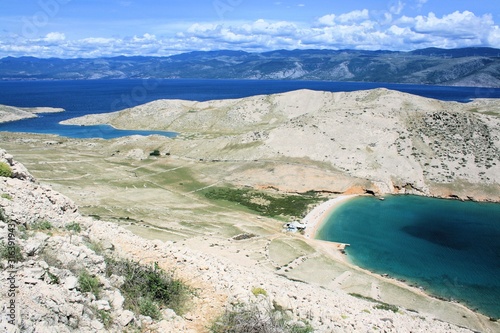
[{"x": 448, "y": 247}]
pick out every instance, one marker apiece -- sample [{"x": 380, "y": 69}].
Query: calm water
[
  {"x": 449, "y": 247},
  {"x": 99, "y": 96}
]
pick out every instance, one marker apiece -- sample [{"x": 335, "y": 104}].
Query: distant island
[
  {"x": 473, "y": 66},
  {"x": 11, "y": 113}
]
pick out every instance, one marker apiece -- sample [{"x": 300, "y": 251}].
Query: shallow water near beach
[{"x": 448, "y": 247}]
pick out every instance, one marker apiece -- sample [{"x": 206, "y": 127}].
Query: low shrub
[
  {"x": 41, "y": 225},
  {"x": 264, "y": 203},
  {"x": 259, "y": 291},
  {"x": 89, "y": 284},
  {"x": 105, "y": 318},
  {"x": 54, "y": 279},
  {"x": 96, "y": 247},
  {"x": 12, "y": 253},
  {"x": 250, "y": 319},
  {"x": 147, "y": 307},
  {"x": 5, "y": 170},
  {"x": 6, "y": 196},
  {"x": 380, "y": 305},
  {"x": 148, "y": 288},
  {"x": 3, "y": 216},
  {"x": 74, "y": 226},
  {"x": 387, "y": 307}
]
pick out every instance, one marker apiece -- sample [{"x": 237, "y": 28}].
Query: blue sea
[
  {"x": 448, "y": 247},
  {"x": 81, "y": 97}
]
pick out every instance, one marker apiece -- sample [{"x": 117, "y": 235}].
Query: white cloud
[
  {"x": 397, "y": 7},
  {"x": 494, "y": 37},
  {"x": 460, "y": 25},
  {"x": 353, "y": 30},
  {"x": 328, "y": 20},
  {"x": 55, "y": 37},
  {"x": 144, "y": 38},
  {"x": 354, "y": 16},
  {"x": 347, "y": 18},
  {"x": 421, "y": 3},
  {"x": 97, "y": 41},
  {"x": 262, "y": 27}
]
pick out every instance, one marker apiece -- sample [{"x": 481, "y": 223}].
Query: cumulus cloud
[
  {"x": 396, "y": 7},
  {"x": 421, "y": 3},
  {"x": 262, "y": 27},
  {"x": 359, "y": 29},
  {"x": 460, "y": 25},
  {"x": 55, "y": 37},
  {"x": 354, "y": 16},
  {"x": 327, "y": 20}
]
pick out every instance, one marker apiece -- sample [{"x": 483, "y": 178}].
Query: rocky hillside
[
  {"x": 383, "y": 140},
  {"x": 478, "y": 67},
  {"x": 44, "y": 255}
]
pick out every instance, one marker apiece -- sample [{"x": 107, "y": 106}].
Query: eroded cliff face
[
  {"x": 382, "y": 140},
  {"x": 39, "y": 223}
]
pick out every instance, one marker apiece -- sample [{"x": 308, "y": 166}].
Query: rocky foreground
[{"x": 48, "y": 297}]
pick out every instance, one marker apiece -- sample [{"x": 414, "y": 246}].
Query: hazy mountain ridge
[{"x": 463, "y": 67}]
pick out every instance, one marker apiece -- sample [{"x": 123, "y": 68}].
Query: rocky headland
[
  {"x": 376, "y": 141},
  {"x": 10, "y": 113}
]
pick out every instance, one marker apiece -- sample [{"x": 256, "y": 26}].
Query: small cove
[{"x": 448, "y": 247}]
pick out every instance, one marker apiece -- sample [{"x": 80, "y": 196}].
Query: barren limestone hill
[{"x": 377, "y": 140}]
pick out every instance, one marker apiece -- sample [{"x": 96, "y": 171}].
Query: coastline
[
  {"x": 315, "y": 218},
  {"x": 13, "y": 113}
]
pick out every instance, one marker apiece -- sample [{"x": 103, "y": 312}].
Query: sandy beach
[{"x": 317, "y": 216}]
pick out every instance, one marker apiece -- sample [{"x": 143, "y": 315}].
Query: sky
[{"x": 105, "y": 28}]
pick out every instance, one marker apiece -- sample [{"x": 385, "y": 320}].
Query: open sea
[{"x": 450, "y": 248}]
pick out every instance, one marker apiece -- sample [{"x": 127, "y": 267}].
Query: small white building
[{"x": 294, "y": 226}]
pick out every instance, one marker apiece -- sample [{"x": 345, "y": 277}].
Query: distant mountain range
[{"x": 459, "y": 67}]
